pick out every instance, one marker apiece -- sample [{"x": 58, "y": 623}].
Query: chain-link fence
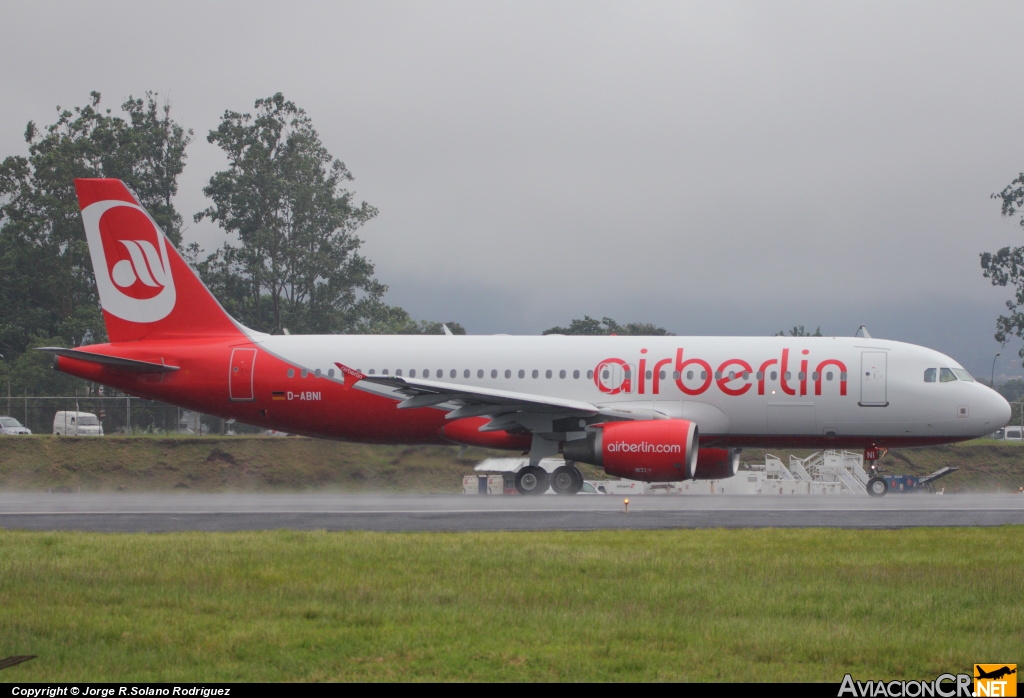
[{"x": 119, "y": 415}]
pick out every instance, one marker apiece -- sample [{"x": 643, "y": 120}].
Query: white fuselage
[{"x": 742, "y": 390}]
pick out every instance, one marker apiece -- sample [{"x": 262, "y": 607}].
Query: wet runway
[{"x": 252, "y": 512}]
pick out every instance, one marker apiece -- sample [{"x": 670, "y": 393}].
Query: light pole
[
  {"x": 8, "y": 383},
  {"x": 992, "y": 378}
]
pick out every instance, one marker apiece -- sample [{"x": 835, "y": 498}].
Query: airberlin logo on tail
[{"x": 131, "y": 260}]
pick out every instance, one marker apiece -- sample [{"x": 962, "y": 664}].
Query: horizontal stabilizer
[{"x": 130, "y": 365}]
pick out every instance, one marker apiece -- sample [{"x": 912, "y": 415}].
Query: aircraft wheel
[
  {"x": 877, "y": 487},
  {"x": 532, "y": 480},
  {"x": 566, "y": 479}
]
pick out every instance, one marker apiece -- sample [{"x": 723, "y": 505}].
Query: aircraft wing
[{"x": 506, "y": 409}]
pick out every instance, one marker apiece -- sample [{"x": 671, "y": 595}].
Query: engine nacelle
[
  {"x": 651, "y": 451},
  {"x": 717, "y": 463}
]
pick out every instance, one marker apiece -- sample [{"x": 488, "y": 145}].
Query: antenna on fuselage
[{"x": 862, "y": 331}]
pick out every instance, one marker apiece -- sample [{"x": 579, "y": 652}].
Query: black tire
[
  {"x": 532, "y": 480},
  {"x": 567, "y": 479},
  {"x": 877, "y": 487}
]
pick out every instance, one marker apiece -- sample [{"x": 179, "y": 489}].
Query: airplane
[
  {"x": 657, "y": 409},
  {"x": 995, "y": 673}
]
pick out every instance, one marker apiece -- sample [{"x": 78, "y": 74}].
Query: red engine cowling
[
  {"x": 651, "y": 451},
  {"x": 717, "y": 463}
]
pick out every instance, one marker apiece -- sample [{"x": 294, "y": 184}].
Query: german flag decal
[{"x": 278, "y": 395}]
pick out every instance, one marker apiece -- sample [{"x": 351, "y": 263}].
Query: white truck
[{"x": 70, "y": 423}]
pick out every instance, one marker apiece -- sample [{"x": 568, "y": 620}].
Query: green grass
[{"x": 758, "y": 605}]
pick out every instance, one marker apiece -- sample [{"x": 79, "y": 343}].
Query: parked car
[
  {"x": 10, "y": 425},
  {"x": 69, "y": 423}
]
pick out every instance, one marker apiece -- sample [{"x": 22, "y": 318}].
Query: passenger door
[{"x": 872, "y": 379}]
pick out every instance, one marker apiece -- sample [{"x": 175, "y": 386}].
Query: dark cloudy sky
[{"x": 715, "y": 168}]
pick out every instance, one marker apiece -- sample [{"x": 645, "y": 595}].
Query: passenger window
[
  {"x": 547, "y": 374},
  {"x": 815, "y": 376},
  {"x": 775, "y": 375},
  {"x": 676, "y": 375},
  {"x": 291, "y": 372},
  {"x": 317, "y": 373},
  {"x": 453, "y": 373},
  {"x": 398, "y": 372},
  {"x": 703, "y": 375},
  {"x": 535, "y": 373},
  {"x": 522, "y": 373},
  {"x": 330, "y": 373},
  {"x": 508, "y": 373},
  {"x": 412, "y": 372},
  {"x": 576, "y": 374},
  {"x": 480, "y": 373},
  {"x": 929, "y": 375},
  {"x": 842, "y": 375},
  {"x": 383, "y": 373},
  {"x": 801, "y": 376},
  {"x": 718, "y": 375},
  {"x": 561, "y": 374},
  {"x": 828, "y": 376},
  {"x": 590, "y": 374},
  {"x": 648, "y": 375},
  {"x": 760, "y": 375},
  {"x": 440, "y": 373},
  {"x": 946, "y": 375},
  {"x": 465, "y": 374},
  {"x": 689, "y": 375},
  {"x": 303, "y": 373},
  {"x": 494, "y": 373},
  {"x": 372, "y": 372},
  {"x": 661, "y": 375}
]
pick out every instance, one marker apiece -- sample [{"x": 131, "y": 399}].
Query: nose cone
[{"x": 995, "y": 411}]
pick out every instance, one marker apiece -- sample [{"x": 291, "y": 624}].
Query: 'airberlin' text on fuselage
[{"x": 694, "y": 376}]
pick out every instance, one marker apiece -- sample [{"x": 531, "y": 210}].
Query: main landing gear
[
  {"x": 533, "y": 479},
  {"x": 567, "y": 479}
]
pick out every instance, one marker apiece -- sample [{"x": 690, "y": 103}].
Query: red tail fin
[{"x": 146, "y": 289}]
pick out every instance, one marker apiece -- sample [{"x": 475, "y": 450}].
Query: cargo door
[
  {"x": 240, "y": 376},
  {"x": 872, "y": 379}
]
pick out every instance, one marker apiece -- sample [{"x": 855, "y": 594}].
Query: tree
[
  {"x": 47, "y": 288},
  {"x": 1006, "y": 267},
  {"x": 296, "y": 264},
  {"x": 799, "y": 331},
  {"x": 608, "y": 326}
]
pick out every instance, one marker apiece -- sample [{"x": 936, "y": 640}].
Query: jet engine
[
  {"x": 652, "y": 451},
  {"x": 717, "y": 463}
]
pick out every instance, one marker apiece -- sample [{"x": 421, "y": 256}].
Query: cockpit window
[
  {"x": 929, "y": 375},
  {"x": 946, "y": 375},
  {"x": 963, "y": 375}
]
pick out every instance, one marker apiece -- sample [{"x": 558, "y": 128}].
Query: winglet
[{"x": 352, "y": 376}]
